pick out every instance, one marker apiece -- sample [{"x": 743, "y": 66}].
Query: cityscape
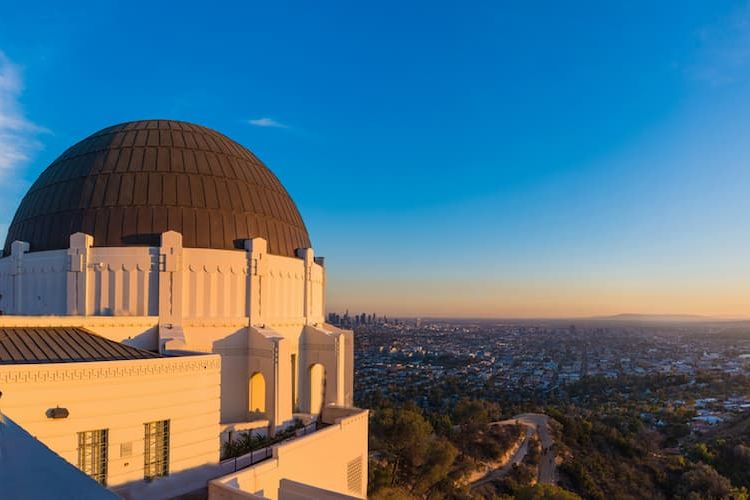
[
  {"x": 546, "y": 359},
  {"x": 683, "y": 379},
  {"x": 423, "y": 250}
]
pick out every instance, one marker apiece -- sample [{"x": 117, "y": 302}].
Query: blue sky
[{"x": 472, "y": 158}]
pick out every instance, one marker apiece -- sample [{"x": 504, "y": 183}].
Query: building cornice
[{"x": 102, "y": 370}]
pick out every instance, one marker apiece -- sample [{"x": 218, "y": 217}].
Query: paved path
[
  {"x": 517, "y": 457},
  {"x": 547, "y": 466},
  {"x": 535, "y": 423}
]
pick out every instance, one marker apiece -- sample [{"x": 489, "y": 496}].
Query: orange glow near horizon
[{"x": 537, "y": 301}]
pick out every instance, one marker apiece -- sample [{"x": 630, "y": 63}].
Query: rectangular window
[
  {"x": 156, "y": 449},
  {"x": 92, "y": 454}
]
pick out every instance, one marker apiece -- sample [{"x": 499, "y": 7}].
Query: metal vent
[
  {"x": 354, "y": 475},
  {"x": 126, "y": 449}
]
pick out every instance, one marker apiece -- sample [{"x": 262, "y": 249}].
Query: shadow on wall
[
  {"x": 233, "y": 349},
  {"x": 190, "y": 481},
  {"x": 148, "y": 340}
]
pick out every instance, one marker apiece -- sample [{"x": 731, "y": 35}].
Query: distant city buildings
[
  {"x": 526, "y": 359},
  {"x": 346, "y": 320}
]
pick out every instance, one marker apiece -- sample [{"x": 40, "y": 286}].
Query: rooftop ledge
[{"x": 335, "y": 419}]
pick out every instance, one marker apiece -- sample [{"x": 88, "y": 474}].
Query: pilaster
[
  {"x": 170, "y": 278},
  {"x": 78, "y": 272},
  {"x": 256, "y": 250},
  {"x": 17, "y": 251},
  {"x": 308, "y": 257}
]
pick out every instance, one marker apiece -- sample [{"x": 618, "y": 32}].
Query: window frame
[
  {"x": 93, "y": 454},
  {"x": 156, "y": 440}
]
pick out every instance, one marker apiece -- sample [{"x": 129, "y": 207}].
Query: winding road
[{"x": 535, "y": 423}]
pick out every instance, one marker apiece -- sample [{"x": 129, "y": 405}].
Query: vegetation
[
  {"x": 619, "y": 438},
  {"x": 545, "y": 492},
  {"x": 421, "y": 455},
  {"x": 414, "y": 459},
  {"x": 250, "y": 441}
]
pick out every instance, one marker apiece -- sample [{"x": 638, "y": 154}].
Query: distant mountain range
[
  {"x": 615, "y": 318},
  {"x": 666, "y": 318}
]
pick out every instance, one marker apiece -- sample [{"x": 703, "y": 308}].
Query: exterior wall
[
  {"x": 283, "y": 290},
  {"x": 124, "y": 281},
  {"x": 260, "y": 312},
  {"x": 292, "y": 490},
  {"x": 28, "y": 469},
  {"x": 33, "y": 283},
  {"x": 317, "y": 305},
  {"x": 334, "y": 459},
  {"x": 6, "y": 286},
  {"x": 214, "y": 283},
  {"x": 121, "y": 396},
  {"x": 325, "y": 346},
  {"x": 230, "y": 340}
]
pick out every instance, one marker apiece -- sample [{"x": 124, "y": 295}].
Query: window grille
[
  {"x": 156, "y": 449},
  {"x": 92, "y": 454}
]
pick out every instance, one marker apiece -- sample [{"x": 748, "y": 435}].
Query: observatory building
[{"x": 160, "y": 298}]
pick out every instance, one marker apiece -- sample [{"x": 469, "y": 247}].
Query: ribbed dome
[{"x": 127, "y": 184}]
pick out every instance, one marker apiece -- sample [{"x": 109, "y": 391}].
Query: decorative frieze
[{"x": 66, "y": 372}]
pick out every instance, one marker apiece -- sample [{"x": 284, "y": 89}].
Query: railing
[
  {"x": 261, "y": 454},
  {"x": 251, "y": 458}
]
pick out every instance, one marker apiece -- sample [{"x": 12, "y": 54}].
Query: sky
[{"x": 493, "y": 159}]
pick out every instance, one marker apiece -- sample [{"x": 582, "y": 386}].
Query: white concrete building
[{"x": 158, "y": 288}]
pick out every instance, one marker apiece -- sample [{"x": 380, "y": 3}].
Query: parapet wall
[
  {"x": 125, "y": 281},
  {"x": 332, "y": 459}
]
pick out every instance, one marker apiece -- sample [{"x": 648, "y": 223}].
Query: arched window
[
  {"x": 317, "y": 387},
  {"x": 257, "y": 394}
]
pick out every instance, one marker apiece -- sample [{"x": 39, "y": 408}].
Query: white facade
[
  {"x": 337, "y": 471},
  {"x": 120, "y": 397},
  {"x": 263, "y": 313},
  {"x": 137, "y": 234}
]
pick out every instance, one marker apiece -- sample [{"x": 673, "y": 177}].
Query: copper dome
[{"x": 127, "y": 184}]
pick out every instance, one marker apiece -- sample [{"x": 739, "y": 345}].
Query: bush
[{"x": 545, "y": 492}]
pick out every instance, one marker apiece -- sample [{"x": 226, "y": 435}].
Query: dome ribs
[{"x": 127, "y": 183}]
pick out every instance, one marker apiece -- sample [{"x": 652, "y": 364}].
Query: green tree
[
  {"x": 701, "y": 453},
  {"x": 416, "y": 460},
  {"x": 472, "y": 415},
  {"x": 702, "y": 481},
  {"x": 440, "y": 457},
  {"x": 403, "y": 437},
  {"x": 545, "y": 492}
]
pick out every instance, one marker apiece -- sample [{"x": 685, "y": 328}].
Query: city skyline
[{"x": 495, "y": 162}]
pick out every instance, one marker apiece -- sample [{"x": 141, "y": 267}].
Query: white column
[
  {"x": 78, "y": 273},
  {"x": 256, "y": 250},
  {"x": 275, "y": 419},
  {"x": 322, "y": 263},
  {"x": 17, "y": 251},
  {"x": 170, "y": 279},
  {"x": 308, "y": 256},
  {"x": 340, "y": 352}
]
